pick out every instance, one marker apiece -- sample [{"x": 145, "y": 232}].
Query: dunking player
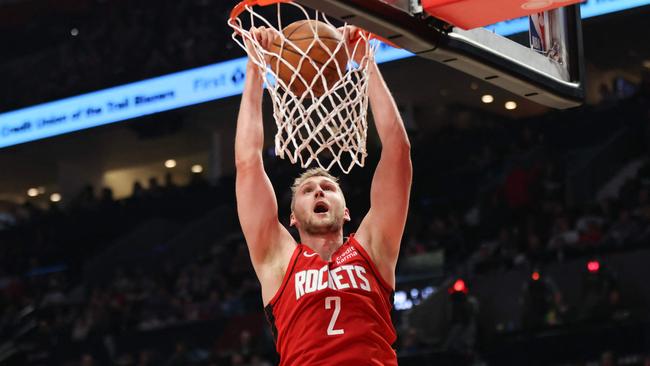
[{"x": 328, "y": 298}]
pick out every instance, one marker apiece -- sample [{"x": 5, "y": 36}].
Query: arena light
[
  {"x": 197, "y": 168},
  {"x": 487, "y": 99},
  {"x": 646, "y": 64},
  {"x": 593, "y": 266},
  {"x": 510, "y": 105},
  {"x": 458, "y": 286},
  {"x": 170, "y": 163},
  {"x": 401, "y": 301},
  {"x": 535, "y": 276},
  {"x": 74, "y": 32},
  {"x": 32, "y": 192},
  {"x": 55, "y": 197}
]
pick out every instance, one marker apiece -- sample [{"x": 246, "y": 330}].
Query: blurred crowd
[
  {"x": 105, "y": 43},
  {"x": 516, "y": 216}
]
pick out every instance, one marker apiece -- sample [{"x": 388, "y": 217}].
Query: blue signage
[{"x": 123, "y": 102}]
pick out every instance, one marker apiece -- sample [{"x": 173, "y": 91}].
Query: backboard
[{"x": 556, "y": 82}]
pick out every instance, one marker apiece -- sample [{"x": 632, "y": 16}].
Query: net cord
[{"x": 328, "y": 129}]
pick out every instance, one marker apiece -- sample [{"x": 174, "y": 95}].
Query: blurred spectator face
[
  {"x": 533, "y": 242},
  {"x": 614, "y": 297},
  {"x": 258, "y": 361},
  {"x": 245, "y": 337},
  {"x": 438, "y": 226},
  {"x": 180, "y": 347},
  {"x": 169, "y": 180},
  {"x": 137, "y": 189},
  {"x": 144, "y": 358},
  {"x": 87, "y": 360},
  {"x": 107, "y": 194},
  {"x": 607, "y": 359},
  {"x": 624, "y": 215},
  {"x": 644, "y": 211},
  {"x": 153, "y": 182},
  {"x": 563, "y": 224},
  {"x": 504, "y": 235},
  {"x": 643, "y": 196},
  {"x": 236, "y": 359}
]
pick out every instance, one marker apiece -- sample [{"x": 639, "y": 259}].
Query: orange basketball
[{"x": 298, "y": 52}]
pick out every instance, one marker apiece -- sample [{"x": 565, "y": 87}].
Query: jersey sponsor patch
[
  {"x": 349, "y": 253},
  {"x": 340, "y": 278}
]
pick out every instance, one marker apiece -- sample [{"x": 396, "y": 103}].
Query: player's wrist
[{"x": 253, "y": 74}]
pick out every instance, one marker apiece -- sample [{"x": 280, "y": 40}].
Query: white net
[{"x": 318, "y": 82}]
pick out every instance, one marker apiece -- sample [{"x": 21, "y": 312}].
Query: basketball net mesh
[{"x": 327, "y": 124}]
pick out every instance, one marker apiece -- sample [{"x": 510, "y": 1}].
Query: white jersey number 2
[{"x": 337, "y": 309}]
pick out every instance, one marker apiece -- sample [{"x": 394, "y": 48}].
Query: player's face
[{"x": 319, "y": 206}]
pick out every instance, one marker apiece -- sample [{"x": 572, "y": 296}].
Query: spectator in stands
[
  {"x": 87, "y": 360},
  {"x": 154, "y": 191},
  {"x": 600, "y": 298},
  {"x": 552, "y": 183},
  {"x": 623, "y": 230},
  {"x": 410, "y": 342},
  {"x": 257, "y": 360},
  {"x": 607, "y": 359},
  {"x": 462, "y": 335},
  {"x": 542, "y": 305},
  {"x": 181, "y": 355},
  {"x": 535, "y": 252},
  {"x": 138, "y": 192},
  {"x": 563, "y": 237}
]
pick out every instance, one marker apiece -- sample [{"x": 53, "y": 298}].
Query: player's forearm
[
  {"x": 388, "y": 121},
  {"x": 249, "y": 139}
]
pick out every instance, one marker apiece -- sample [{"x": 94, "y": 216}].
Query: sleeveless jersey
[{"x": 333, "y": 313}]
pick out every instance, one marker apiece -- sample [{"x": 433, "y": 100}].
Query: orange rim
[{"x": 239, "y": 8}]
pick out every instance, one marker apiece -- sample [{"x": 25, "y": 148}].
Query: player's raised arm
[
  {"x": 256, "y": 202},
  {"x": 383, "y": 226}
]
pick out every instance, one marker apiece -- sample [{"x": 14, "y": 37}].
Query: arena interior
[{"x": 527, "y": 240}]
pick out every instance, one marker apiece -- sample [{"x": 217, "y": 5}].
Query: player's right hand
[{"x": 264, "y": 37}]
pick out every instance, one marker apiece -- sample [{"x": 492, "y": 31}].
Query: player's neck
[{"x": 323, "y": 244}]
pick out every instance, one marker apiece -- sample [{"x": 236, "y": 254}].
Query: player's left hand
[{"x": 265, "y": 37}]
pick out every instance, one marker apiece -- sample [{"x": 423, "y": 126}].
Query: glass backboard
[{"x": 553, "y": 79}]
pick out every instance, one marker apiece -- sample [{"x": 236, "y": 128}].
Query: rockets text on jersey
[{"x": 333, "y": 312}]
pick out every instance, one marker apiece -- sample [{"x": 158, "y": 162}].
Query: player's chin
[{"x": 324, "y": 226}]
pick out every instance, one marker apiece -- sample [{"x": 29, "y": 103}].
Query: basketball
[{"x": 310, "y": 40}]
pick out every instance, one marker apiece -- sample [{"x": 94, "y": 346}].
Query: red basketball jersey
[{"x": 333, "y": 313}]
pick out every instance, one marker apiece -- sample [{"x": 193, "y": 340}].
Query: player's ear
[
  {"x": 292, "y": 220},
  {"x": 346, "y": 214}
]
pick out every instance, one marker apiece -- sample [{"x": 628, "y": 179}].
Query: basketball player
[{"x": 328, "y": 298}]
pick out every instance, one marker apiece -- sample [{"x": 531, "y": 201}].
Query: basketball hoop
[{"x": 324, "y": 120}]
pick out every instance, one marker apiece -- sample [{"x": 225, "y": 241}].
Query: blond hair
[{"x": 313, "y": 172}]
